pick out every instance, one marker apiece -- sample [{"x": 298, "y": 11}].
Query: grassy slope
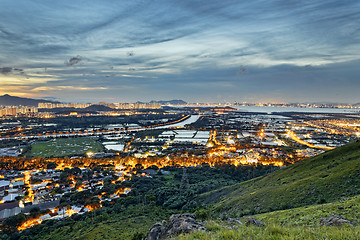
[
  {"x": 324, "y": 178},
  {"x": 310, "y": 215},
  {"x": 220, "y": 230},
  {"x": 273, "y": 232},
  {"x": 296, "y": 223},
  {"x": 120, "y": 228}
]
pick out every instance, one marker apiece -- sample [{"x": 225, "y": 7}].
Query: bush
[{"x": 138, "y": 236}]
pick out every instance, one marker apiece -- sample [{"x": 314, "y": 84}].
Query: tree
[
  {"x": 10, "y": 224},
  {"x": 34, "y": 211},
  {"x": 76, "y": 171},
  {"x": 51, "y": 165}
]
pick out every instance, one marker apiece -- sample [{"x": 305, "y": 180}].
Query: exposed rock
[
  {"x": 253, "y": 221},
  {"x": 333, "y": 220},
  {"x": 183, "y": 223},
  {"x": 155, "y": 231},
  {"x": 234, "y": 221},
  {"x": 178, "y": 223}
]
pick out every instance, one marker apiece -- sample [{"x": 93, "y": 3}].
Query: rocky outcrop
[
  {"x": 178, "y": 223},
  {"x": 156, "y": 231},
  {"x": 234, "y": 221},
  {"x": 333, "y": 220},
  {"x": 253, "y": 221}
]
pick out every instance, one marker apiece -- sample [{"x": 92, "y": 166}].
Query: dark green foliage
[
  {"x": 10, "y": 224},
  {"x": 34, "y": 211},
  {"x": 138, "y": 236},
  {"x": 168, "y": 194},
  {"x": 35, "y": 180},
  {"x": 51, "y": 165}
]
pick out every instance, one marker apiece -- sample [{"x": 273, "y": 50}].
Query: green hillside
[
  {"x": 221, "y": 230},
  {"x": 348, "y": 208},
  {"x": 297, "y": 223},
  {"x": 325, "y": 178}
]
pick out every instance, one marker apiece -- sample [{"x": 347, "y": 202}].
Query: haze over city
[{"x": 217, "y": 51}]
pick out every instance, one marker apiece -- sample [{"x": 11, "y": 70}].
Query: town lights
[{"x": 89, "y": 154}]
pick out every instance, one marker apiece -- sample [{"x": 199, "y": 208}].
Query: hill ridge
[{"x": 7, "y": 100}]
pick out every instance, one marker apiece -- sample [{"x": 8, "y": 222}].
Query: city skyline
[{"x": 253, "y": 51}]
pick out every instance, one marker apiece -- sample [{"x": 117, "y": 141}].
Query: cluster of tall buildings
[
  {"x": 20, "y": 110},
  {"x": 137, "y": 105},
  {"x": 63, "y": 105},
  {"x": 111, "y": 105},
  {"x": 17, "y": 110}
]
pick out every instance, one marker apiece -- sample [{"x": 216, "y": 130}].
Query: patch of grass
[
  {"x": 275, "y": 232},
  {"x": 61, "y": 147},
  {"x": 310, "y": 215}
]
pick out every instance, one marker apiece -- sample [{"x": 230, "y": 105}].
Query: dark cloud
[
  {"x": 5, "y": 70},
  {"x": 242, "y": 70},
  {"x": 73, "y": 61},
  {"x": 188, "y": 49},
  {"x": 8, "y": 70}
]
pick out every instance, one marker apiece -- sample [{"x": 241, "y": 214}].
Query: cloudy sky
[{"x": 217, "y": 51}]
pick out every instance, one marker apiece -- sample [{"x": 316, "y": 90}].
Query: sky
[{"x": 199, "y": 51}]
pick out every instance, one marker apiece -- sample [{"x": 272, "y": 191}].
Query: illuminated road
[
  {"x": 213, "y": 138},
  {"x": 293, "y": 136}
]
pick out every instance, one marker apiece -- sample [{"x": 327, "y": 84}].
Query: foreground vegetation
[
  {"x": 325, "y": 178},
  {"x": 221, "y": 230},
  {"x": 348, "y": 208},
  {"x": 296, "y": 223}
]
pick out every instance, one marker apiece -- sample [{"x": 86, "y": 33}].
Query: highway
[{"x": 294, "y": 137}]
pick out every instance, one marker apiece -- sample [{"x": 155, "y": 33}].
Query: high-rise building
[{"x": 17, "y": 110}]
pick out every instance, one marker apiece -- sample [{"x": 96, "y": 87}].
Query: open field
[{"x": 64, "y": 147}]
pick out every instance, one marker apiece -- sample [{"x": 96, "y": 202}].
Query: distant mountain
[
  {"x": 171, "y": 102},
  {"x": 7, "y": 100}
]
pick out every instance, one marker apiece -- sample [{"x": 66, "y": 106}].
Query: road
[{"x": 293, "y": 136}]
